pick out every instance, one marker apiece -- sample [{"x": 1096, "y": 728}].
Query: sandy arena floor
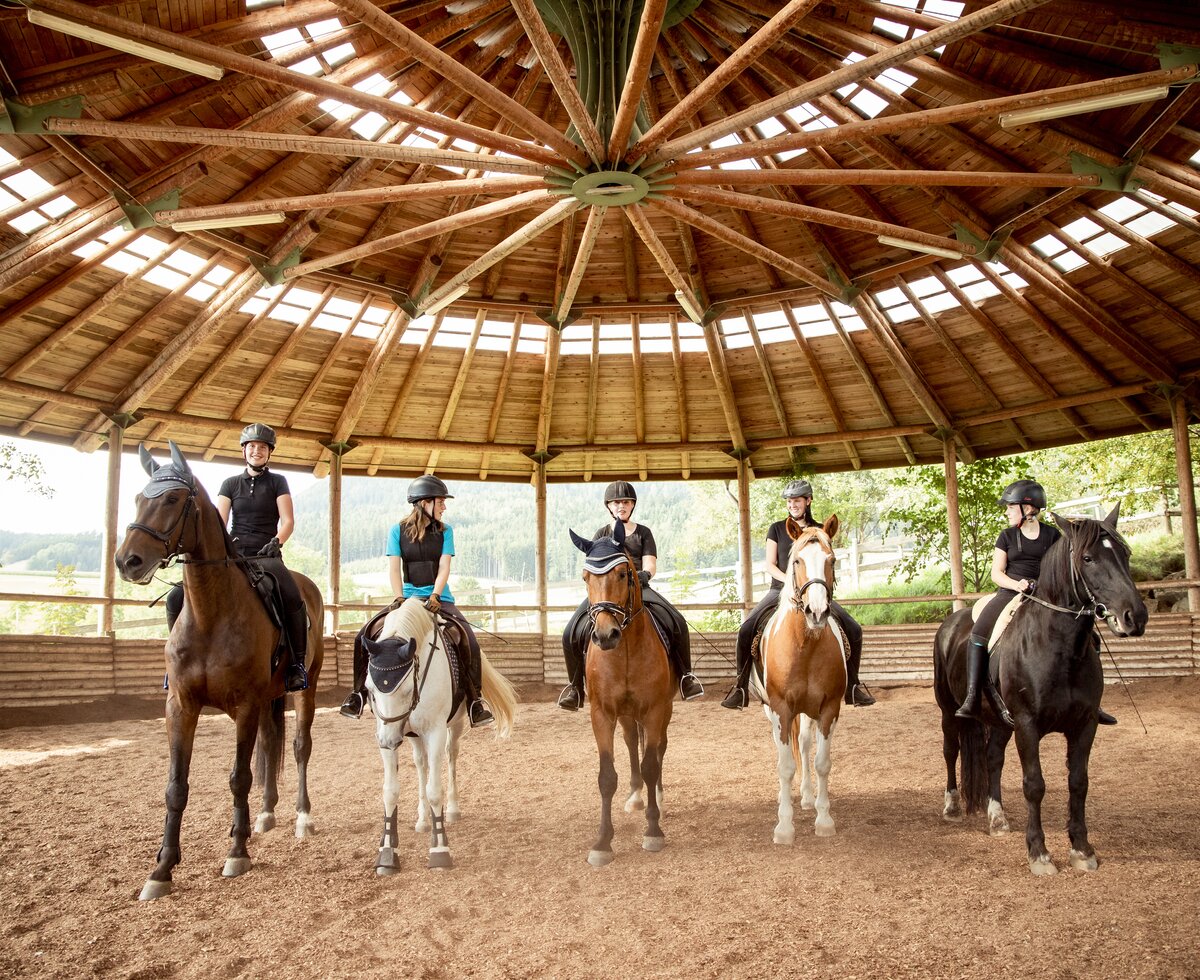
[{"x": 896, "y": 893}]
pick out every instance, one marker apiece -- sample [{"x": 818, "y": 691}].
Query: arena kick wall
[{"x": 44, "y": 670}]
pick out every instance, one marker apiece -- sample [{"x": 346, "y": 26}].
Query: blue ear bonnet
[
  {"x": 175, "y": 475},
  {"x": 603, "y": 555}
]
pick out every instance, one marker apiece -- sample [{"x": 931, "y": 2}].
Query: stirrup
[
  {"x": 860, "y": 697},
  {"x": 737, "y": 698},
  {"x": 479, "y": 715},
  {"x": 571, "y": 699},
  {"x": 295, "y": 679},
  {"x": 353, "y": 706},
  {"x": 690, "y": 687}
]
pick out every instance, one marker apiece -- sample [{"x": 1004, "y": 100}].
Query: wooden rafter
[
  {"x": 636, "y": 76},
  {"x": 681, "y": 406}
]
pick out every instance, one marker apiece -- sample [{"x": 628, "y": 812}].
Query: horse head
[
  {"x": 1096, "y": 572},
  {"x": 810, "y": 571},
  {"x": 611, "y": 583},
  {"x": 166, "y": 522}
]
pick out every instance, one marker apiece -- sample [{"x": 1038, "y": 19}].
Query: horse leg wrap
[{"x": 439, "y": 849}]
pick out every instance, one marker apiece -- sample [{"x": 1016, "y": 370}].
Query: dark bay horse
[
  {"x": 629, "y": 680},
  {"x": 1047, "y": 665},
  {"x": 804, "y": 675},
  {"x": 219, "y": 655}
]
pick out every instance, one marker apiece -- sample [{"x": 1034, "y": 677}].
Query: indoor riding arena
[{"x": 547, "y": 243}]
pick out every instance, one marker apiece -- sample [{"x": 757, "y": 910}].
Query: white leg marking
[
  {"x": 785, "y": 830},
  {"x": 997, "y": 819},
  {"x": 824, "y": 764}
]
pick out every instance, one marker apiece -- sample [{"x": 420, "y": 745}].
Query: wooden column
[
  {"x": 335, "y": 535},
  {"x": 747, "y": 582},
  {"x": 539, "y": 489},
  {"x": 108, "y": 568},
  {"x": 957, "y": 583},
  {"x": 1187, "y": 497}
]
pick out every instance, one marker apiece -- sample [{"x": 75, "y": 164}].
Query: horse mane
[
  {"x": 412, "y": 619},
  {"x": 1057, "y": 576}
]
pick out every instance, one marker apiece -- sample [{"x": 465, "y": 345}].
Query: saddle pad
[
  {"x": 389, "y": 661},
  {"x": 1002, "y": 621}
]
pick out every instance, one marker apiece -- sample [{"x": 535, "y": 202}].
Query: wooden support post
[
  {"x": 335, "y": 540},
  {"x": 116, "y": 436},
  {"x": 539, "y": 488},
  {"x": 957, "y": 582},
  {"x": 747, "y": 582},
  {"x": 1187, "y": 497}
]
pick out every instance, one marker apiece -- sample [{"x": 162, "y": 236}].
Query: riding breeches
[
  {"x": 982, "y": 630},
  {"x": 475, "y": 664}
]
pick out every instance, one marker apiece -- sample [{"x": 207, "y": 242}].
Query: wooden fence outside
[{"x": 43, "y": 670}]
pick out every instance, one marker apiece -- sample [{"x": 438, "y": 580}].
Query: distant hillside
[
  {"x": 494, "y": 523},
  {"x": 43, "y": 552}
]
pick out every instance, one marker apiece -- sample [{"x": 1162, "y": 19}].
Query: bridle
[
  {"x": 417, "y": 687},
  {"x": 177, "y": 528},
  {"x": 799, "y": 590},
  {"x": 1093, "y": 606},
  {"x": 624, "y": 612}
]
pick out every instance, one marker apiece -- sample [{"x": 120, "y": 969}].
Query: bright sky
[{"x": 79, "y": 481}]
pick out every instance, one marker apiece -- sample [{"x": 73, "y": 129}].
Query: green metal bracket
[
  {"x": 555, "y": 322},
  {"x": 542, "y": 457},
  {"x": 1178, "y": 55},
  {"x": 273, "y": 274},
  {"x": 739, "y": 452},
  {"x": 21, "y": 118},
  {"x": 847, "y": 293},
  {"x": 985, "y": 251},
  {"x": 123, "y": 420},
  {"x": 340, "y": 448},
  {"x": 1111, "y": 178},
  {"x": 138, "y": 215}
]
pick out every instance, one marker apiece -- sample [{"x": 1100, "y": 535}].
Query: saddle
[
  {"x": 266, "y": 585},
  {"x": 756, "y": 643},
  {"x": 1002, "y": 621},
  {"x": 390, "y": 659}
]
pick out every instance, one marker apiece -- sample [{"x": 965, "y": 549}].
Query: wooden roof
[{"x": 719, "y": 289}]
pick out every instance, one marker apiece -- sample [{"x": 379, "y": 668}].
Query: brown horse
[
  {"x": 220, "y": 655},
  {"x": 804, "y": 674},
  {"x": 629, "y": 680}
]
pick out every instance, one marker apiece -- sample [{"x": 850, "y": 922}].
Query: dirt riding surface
[{"x": 896, "y": 893}]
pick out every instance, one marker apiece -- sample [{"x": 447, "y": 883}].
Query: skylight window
[
  {"x": 943, "y": 9},
  {"x": 1058, "y": 253},
  {"x": 732, "y": 140}
]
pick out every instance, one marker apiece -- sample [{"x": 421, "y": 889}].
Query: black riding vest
[{"x": 419, "y": 559}]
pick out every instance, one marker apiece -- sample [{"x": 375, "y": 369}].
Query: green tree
[
  {"x": 723, "y": 620},
  {"x": 919, "y": 506},
  {"x": 25, "y": 468},
  {"x": 62, "y": 617}
]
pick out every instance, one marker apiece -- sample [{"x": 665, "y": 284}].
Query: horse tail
[
  {"x": 794, "y": 739},
  {"x": 270, "y": 744},
  {"x": 501, "y": 695},
  {"x": 974, "y": 785}
]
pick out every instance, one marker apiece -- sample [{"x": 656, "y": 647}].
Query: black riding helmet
[
  {"x": 619, "y": 490},
  {"x": 798, "y": 488},
  {"x": 1024, "y": 492},
  {"x": 257, "y": 432},
  {"x": 427, "y": 487}
]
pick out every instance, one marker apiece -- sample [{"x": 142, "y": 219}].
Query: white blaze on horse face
[{"x": 816, "y": 597}]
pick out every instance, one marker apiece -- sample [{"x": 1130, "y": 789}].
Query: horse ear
[
  {"x": 830, "y": 527},
  {"x": 581, "y": 543},
  {"x": 793, "y": 529},
  {"x": 181, "y": 464},
  {"x": 1062, "y": 523},
  {"x": 148, "y": 463},
  {"x": 1111, "y": 519},
  {"x": 619, "y": 532}
]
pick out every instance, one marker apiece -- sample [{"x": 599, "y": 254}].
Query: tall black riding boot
[
  {"x": 356, "y": 700},
  {"x": 295, "y": 677},
  {"x": 856, "y": 691},
  {"x": 739, "y": 695},
  {"x": 978, "y": 682},
  {"x": 478, "y": 712},
  {"x": 571, "y": 698}
]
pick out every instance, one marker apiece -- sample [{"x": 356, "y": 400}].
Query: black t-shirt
[
  {"x": 254, "y": 507},
  {"x": 1025, "y": 556},
  {"x": 639, "y": 541},
  {"x": 777, "y": 532}
]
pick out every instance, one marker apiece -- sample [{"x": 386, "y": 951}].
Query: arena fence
[{"x": 44, "y": 670}]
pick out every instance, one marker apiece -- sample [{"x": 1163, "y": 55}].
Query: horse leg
[
  {"x": 267, "y": 756},
  {"x": 952, "y": 802},
  {"x": 1079, "y": 749},
  {"x": 181, "y": 735},
  {"x": 633, "y": 734},
  {"x": 785, "y": 830},
  {"x": 387, "y": 863},
  {"x": 996, "y": 747},
  {"x": 1034, "y": 786},
  {"x": 807, "y": 796},
  {"x": 237, "y": 861},
  {"x": 421, "y": 764},
  {"x": 439, "y": 845},
  {"x": 662, "y": 753},
  {"x": 306, "y": 709},
  {"x": 452, "y": 747},
  {"x": 604, "y": 728},
  {"x": 655, "y": 727},
  {"x": 823, "y": 764}
]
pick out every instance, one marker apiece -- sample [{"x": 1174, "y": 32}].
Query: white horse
[{"x": 415, "y": 701}]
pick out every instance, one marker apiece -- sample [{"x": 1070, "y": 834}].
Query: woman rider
[
  {"x": 419, "y": 551},
  {"x": 620, "y": 499},
  {"x": 263, "y": 520},
  {"x": 1016, "y": 563},
  {"x": 798, "y": 496}
]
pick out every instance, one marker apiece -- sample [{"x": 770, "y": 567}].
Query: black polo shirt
[{"x": 255, "y": 508}]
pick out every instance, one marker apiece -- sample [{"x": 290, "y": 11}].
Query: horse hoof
[
  {"x": 1043, "y": 866},
  {"x": 998, "y": 828},
  {"x": 154, "y": 889},
  {"x": 598, "y": 859},
  {"x": 304, "y": 827},
  {"x": 1084, "y": 862},
  {"x": 234, "y": 867},
  {"x": 265, "y": 822},
  {"x": 384, "y": 871},
  {"x": 387, "y": 862},
  {"x": 452, "y": 816},
  {"x": 440, "y": 859},
  {"x": 635, "y": 803},
  {"x": 653, "y": 843},
  {"x": 787, "y": 837},
  {"x": 826, "y": 829},
  {"x": 810, "y": 804},
  {"x": 422, "y": 826},
  {"x": 952, "y": 808}
]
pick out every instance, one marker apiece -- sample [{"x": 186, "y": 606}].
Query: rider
[
  {"x": 620, "y": 499},
  {"x": 1016, "y": 563},
  {"x": 419, "y": 551},
  {"x": 263, "y": 520},
  {"x": 798, "y": 496}
]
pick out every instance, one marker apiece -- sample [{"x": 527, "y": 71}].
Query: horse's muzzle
[
  {"x": 1130, "y": 621},
  {"x": 132, "y": 567},
  {"x": 606, "y": 638}
]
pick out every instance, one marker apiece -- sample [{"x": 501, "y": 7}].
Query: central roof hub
[{"x": 610, "y": 188}]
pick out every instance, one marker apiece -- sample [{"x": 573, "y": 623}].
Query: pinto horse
[
  {"x": 628, "y": 680},
  {"x": 220, "y": 654},
  {"x": 804, "y": 675},
  {"x": 1047, "y": 666},
  {"x": 411, "y": 689}
]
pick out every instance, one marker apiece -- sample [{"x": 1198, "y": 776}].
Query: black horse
[{"x": 1047, "y": 665}]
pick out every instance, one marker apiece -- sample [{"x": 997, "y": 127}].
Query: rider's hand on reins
[
  {"x": 434, "y": 604},
  {"x": 272, "y": 549}
]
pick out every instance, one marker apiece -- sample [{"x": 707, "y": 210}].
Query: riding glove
[
  {"x": 434, "y": 603},
  {"x": 272, "y": 549}
]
